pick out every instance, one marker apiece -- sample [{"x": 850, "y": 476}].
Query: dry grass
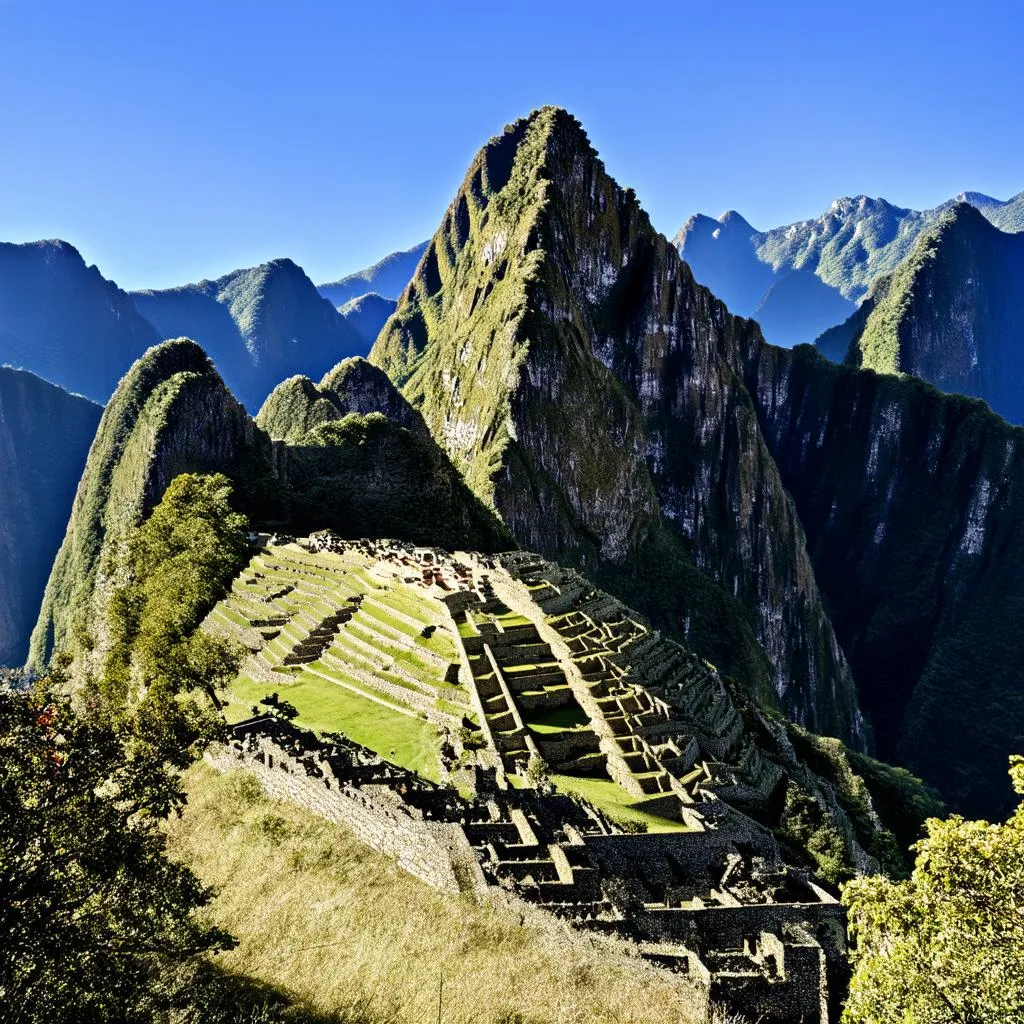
[{"x": 347, "y": 934}]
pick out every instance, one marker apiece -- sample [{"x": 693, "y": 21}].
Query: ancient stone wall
[{"x": 431, "y": 850}]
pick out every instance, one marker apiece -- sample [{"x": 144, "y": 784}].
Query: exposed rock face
[
  {"x": 172, "y": 414},
  {"x": 765, "y": 274},
  {"x": 44, "y": 438},
  {"x": 387, "y": 278},
  {"x": 564, "y": 356},
  {"x": 912, "y": 502},
  {"x": 953, "y": 314},
  {"x": 297, "y": 405},
  {"x": 259, "y": 325},
  {"x": 367, "y": 314},
  {"x": 64, "y": 321}
]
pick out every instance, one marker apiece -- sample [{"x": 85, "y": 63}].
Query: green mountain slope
[
  {"x": 44, "y": 438},
  {"x": 953, "y": 314},
  {"x": 297, "y": 405},
  {"x": 172, "y": 413},
  {"x": 64, "y": 321},
  {"x": 565, "y": 358},
  {"x": 259, "y": 325}
]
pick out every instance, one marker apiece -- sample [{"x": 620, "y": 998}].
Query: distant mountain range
[
  {"x": 387, "y": 278},
  {"x": 952, "y": 313},
  {"x": 66, "y": 322},
  {"x": 800, "y": 279},
  {"x": 258, "y": 325}
]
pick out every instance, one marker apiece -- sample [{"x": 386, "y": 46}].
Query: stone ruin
[{"x": 714, "y": 901}]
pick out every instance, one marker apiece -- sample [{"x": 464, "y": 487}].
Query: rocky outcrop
[
  {"x": 44, "y": 438},
  {"x": 64, "y": 321},
  {"x": 562, "y": 353},
  {"x": 951, "y": 314}
]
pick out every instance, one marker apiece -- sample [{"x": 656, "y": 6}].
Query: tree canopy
[{"x": 946, "y": 946}]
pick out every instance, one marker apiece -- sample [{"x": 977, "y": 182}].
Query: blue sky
[{"x": 173, "y": 141}]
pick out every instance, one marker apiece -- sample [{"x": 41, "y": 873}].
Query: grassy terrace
[
  {"x": 557, "y": 720},
  {"x": 374, "y": 679},
  {"x": 326, "y": 707},
  {"x": 614, "y": 801}
]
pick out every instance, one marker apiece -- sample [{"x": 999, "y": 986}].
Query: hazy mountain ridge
[
  {"x": 388, "y": 277},
  {"x": 259, "y": 325},
  {"x": 848, "y": 248},
  {"x": 367, "y": 314},
  {"x": 952, "y": 314},
  {"x": 44, "y": 439},
  {"x": 64, "y": 321}
]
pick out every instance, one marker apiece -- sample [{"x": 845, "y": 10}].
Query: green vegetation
[
  {"x": 947, "y": 944},
  {"x": 886, "y": 806},
  {"x": 97, "y": 923},
  {"x": 609, "y": 797},
  {"x": 355, "y": 939},
  {"x": 326, "y": 707},
  {"x": 556, "y": 720}
]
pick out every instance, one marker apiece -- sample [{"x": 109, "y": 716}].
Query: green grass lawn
[
  {"x": 556, "y": 720},
  {"x": 613, "y": 800},
  {"x": 326, "y": 707}
]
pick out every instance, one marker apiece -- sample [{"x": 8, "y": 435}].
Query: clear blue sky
[{"x": 175, "y": 140}]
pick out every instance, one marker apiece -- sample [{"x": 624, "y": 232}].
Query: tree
[
  {"x": 179, "y": 561},
  {"x": 95, "y": 922},
  {"x": 946, "y": 946}
]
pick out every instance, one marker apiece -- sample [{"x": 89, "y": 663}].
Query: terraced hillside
[
  {"x": 497, "y": 723},
  {"x": 351, "y": 643}
]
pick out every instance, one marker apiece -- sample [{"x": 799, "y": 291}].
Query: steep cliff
[
  {"x": 297, "y": 405},
  {"x": 64, "y": 321},
  {"x": 564, "y": 356},
  {"x": 259, "y": 325},
  {"x": 953, "y": 314},
  {"x": 44, "y": 438},
  {"x": 912, "y": 502}
]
